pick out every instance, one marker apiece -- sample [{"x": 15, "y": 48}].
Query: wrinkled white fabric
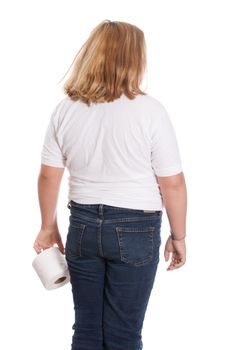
[{"x": 113, "y": 150}]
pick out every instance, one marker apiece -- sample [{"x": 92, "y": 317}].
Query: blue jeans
[{"x": 112, "y": 255}]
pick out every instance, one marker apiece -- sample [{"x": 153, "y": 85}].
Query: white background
[{"x": 190, "y": 70}]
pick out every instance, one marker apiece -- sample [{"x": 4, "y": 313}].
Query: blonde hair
[{"x": 110, "y": 63}]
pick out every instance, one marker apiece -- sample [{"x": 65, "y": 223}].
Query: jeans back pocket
[
  {"x": 135, "y": 244},
  {"x": 74, "y": 238}
]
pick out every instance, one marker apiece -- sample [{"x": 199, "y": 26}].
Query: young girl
[{"x": 120, "y": 148}]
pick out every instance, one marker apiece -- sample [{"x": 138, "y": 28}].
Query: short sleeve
[
  {"x": 165, "y": 156},
  {"x": 51, "y": 153}
]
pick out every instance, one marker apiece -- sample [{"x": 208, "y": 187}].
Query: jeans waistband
[{"x": 101, "y": 207}]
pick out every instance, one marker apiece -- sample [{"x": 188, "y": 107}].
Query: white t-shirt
[{"x": 113, "y": 150}]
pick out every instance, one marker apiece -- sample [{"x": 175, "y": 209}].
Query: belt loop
[
  {"x": 69, "y": 204},
  {"x": 100, "y": 209}
]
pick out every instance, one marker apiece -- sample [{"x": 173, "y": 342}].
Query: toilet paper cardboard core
[{"x": 60, "y": 280}]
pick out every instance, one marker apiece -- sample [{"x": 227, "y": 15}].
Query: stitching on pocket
[
  {"x": 74, "y": 239},
  {"x": 81, "y": 232},
  {"x": 135, "y": 255}
]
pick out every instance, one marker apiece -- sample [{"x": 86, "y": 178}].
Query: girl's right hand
[{"x": 178, "y": 250}]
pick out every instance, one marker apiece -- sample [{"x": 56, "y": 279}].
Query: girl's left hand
[{"x": 46, "y": 239}]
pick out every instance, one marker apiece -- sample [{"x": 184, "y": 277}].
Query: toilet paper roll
[{"x": 51, "y": 267}]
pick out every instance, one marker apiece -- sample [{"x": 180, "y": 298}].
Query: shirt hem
[
  {"x": 121, "y": 204},
  {"x": 53, "y": 164}
]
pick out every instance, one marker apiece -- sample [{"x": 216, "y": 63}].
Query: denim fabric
[{"x": 112, "y": 255}]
